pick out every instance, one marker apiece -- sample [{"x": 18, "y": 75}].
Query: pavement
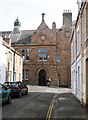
[
  {"x": 46, "y": 89},
  {"x": 67, "y": 107}
]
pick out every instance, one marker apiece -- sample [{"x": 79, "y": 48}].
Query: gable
[{"x": 43, "y": 28}]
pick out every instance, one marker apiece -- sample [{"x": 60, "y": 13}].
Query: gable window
[
  {"x": 42, "y": 54},
  {"x": 25, "y": 53}
]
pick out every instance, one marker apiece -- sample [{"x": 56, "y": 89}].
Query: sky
[{"x": 29, "y": 13}]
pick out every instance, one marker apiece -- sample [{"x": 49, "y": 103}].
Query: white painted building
[
  {"x": 79, "y": 54},
  {"x": 76, "y": 61},
  {"x": 11, "y": 62},
  {"x": 2, "y": 61}
]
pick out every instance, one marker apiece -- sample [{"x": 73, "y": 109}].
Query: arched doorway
[{"x": 42, "y": 78}]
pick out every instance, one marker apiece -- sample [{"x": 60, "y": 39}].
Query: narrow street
[
  {"x": 45, "y": 103},
  {"x": 44, "y": 44},
  {"x": 35, "y": 105}
]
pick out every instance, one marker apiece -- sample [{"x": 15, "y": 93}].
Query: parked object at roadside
[
  {"x": 17, "y": 88},
  {"x": 5, "y": 94},
  {"x": 48, "y": 82}
]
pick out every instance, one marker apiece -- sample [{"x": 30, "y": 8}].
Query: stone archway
[{"x": 42, "y": 78}]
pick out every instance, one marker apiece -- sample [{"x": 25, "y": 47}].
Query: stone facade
[{"x": 46, "y": 52}]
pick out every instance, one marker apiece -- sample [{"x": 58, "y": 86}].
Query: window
[
  {"x": 40, "y": 57},
  {"x": 40, "y": 50},
  {"x": 14, "y": 76},
  {"x": 25, "y": 74},
  {"x": 25, "y": 53},
  {"x": 45, "y": 57},
  {"x": 45, "y": 50},
  {"x": 57, "y": 57},
  {"x": 42, "y": 54},
  {"x": 78, "y": 41},
  {"x": 78, "y": 78}
]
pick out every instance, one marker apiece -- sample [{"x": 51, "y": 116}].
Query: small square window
[{"x": 58, "y": 58}]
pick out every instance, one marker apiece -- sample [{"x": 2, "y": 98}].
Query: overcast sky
[{"x": 29, "y": 12}]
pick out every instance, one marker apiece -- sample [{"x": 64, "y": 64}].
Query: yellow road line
[{"x": 51, "y": 108}]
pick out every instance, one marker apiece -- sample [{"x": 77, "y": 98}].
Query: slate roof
[
  {"x": 5, "y": 33},
  {"x": 25, "y": 40},
  {"x": 26, "y": 33},
  {"x": 24, "y": 37}
]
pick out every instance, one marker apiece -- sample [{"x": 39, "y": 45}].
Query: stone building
[{"x": 45, "y": 51}]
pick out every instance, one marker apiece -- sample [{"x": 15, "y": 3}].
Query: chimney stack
[
  {"x": 43, "y": 17},
  {"x": 67, "y": 18}
]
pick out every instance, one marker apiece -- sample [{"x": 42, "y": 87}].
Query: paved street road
[
  {"x": 46, "y": 103},
  {"x": 34, "y": 105}
]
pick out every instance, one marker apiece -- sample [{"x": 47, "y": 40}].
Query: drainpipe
[
  {"x": 57, "y": 71},
  {"x": 42, "y": 55},
  {"x": 81, "y": 58},
  {"x": 13, "y": 65},
  {"x": 76, "y": 58}
]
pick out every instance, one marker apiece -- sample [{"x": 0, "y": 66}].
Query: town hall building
[{"x": 46, "y": 52}]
